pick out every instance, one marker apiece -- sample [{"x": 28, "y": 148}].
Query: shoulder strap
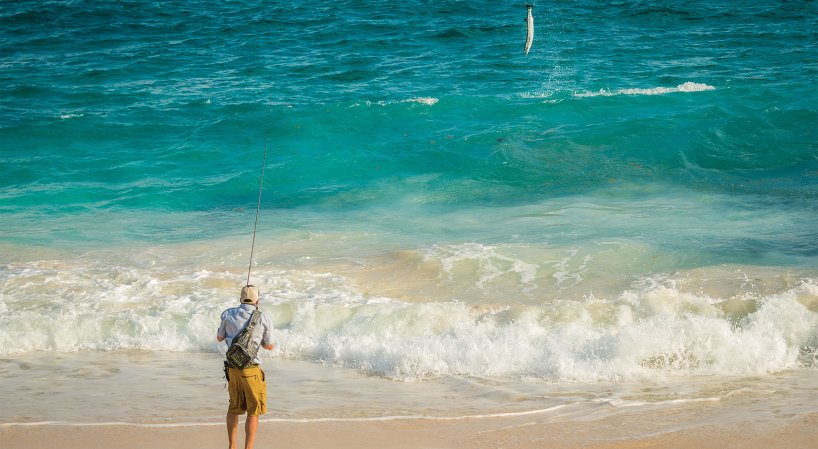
[
  {"x": 247, "y": 332},
  {"x": 254, "y": 319}
]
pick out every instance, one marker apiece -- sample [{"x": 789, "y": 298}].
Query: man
[{"x": 247, "y": 387}]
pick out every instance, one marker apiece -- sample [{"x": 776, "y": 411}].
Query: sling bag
[{"x": 243, "y": 350}]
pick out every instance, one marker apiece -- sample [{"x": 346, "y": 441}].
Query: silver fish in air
[{"x": 529, "y": 37}]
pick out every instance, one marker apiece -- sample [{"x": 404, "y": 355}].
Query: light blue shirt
[{"x": 236, "y": 318}]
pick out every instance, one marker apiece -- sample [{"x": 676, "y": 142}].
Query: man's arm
[
  {"x": 267, "y": 339},
  {"x": 221, "y": 334}
]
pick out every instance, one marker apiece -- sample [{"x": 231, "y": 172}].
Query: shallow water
[{"x": 155, "y": 388}]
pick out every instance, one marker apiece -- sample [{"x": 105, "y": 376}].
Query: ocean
[{"x": 625, "y": 217}]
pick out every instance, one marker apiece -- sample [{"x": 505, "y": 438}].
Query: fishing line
[{"x": 258, "y": 209}]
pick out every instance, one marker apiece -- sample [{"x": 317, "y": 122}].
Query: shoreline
[
  {"x": 144, "y": 390},
  {"x": 283, "y": 420},
  {"x": 679, "y": 428}
]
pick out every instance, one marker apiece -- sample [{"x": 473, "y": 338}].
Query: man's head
[{"x": 249, "y": 294}]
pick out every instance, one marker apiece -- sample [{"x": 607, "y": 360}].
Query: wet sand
[{"x": 686, "y": 427}]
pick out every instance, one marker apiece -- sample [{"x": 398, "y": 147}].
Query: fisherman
[{"x": 247, "y": 387}]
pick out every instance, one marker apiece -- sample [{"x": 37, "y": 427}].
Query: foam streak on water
[{"x": 684, "y": 87}]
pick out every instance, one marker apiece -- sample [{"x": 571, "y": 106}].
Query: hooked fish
[{"x": 529, "y": 37}]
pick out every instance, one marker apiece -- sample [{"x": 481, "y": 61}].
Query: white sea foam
[
  {"x": 71, "y": 115},
  {"x": 684, "y": 87},
  {"x": 623, "y": 403},
  {"x": 565, "y": 274},
  {"x": 485, "y": 260},
  {"x": 428, "y": 101},
  {"x": 654, "y": 329},
  {"x": 546, "y": 97}
]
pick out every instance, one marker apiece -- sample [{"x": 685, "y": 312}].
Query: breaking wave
[{"x": 639, "y": 333}]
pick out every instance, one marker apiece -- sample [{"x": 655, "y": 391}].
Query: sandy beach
[{"x": 678, "y": 428}]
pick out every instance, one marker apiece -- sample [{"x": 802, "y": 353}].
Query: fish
[{"x": 529, "y": 37}]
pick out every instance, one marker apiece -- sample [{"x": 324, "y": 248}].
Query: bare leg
[
  {"x": 232, "y": 429},
  {"x": 250, "y": 427}
]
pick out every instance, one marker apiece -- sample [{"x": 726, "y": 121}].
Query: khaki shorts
[{"x": 248, "y": 391}]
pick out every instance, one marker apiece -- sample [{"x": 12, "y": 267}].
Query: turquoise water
[
  {"x": 133, "y": 112},
  {"x": 636, "y": 198}
]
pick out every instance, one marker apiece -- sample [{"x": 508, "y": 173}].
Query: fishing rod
[{"x": 258, "y": 209}]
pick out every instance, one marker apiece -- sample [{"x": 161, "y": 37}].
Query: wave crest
[
  {"x": 643, "y": 332},
  {"x": 684, "y": 87}
]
